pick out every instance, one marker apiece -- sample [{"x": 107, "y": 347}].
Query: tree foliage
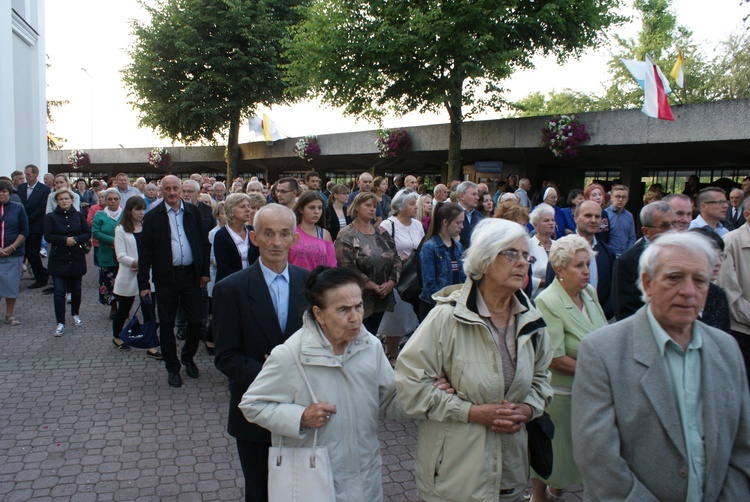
[
  {"x": 729, "y": 77},
  {"x": 375, "y": 56},
  {"x": 201, "y": 66}
]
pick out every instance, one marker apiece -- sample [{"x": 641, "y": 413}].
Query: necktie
[{"x": 279, "y": 302}]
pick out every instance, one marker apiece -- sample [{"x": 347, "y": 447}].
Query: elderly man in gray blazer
[{"x": 661, "y": 409}]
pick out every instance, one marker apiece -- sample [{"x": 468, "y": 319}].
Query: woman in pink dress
[{"x": 314, "y": 246}]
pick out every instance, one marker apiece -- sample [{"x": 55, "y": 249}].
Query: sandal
[{"x": 12, "y": 321}]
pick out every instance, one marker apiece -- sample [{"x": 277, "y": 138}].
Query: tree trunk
[
  {"x": 454, "y": 140},
  {"x": 233, "y": 148}
]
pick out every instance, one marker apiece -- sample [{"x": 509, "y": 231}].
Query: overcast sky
[{"x": 93, "y": 34}]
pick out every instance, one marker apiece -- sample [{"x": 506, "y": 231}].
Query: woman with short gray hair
[
  {"x": 571, "y": 310},
  {"x": 543, "y": 220},
  {"x": 407, "y": 232},
  {"x": 488, "y": 338}
]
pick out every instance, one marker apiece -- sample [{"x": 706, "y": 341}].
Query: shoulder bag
[
  {"x": 540, "y": 432},
  {"x": 141, "y": 336},
  {"x": 300, "y": 473},
  {"x": 409, "y": 283}
]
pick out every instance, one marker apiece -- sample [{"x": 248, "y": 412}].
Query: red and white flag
[{"x": 655, "y": 90}]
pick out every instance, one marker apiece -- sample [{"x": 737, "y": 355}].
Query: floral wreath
[
  {"x": 159, "y": 157},
  {"x": 391, "y": 142},
  {"x": 78, "y": 159},
  {"x": 307, "y": 148},
  {"x": 563, "y": 135}
]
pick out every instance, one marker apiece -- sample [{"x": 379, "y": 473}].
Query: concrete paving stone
[
  {"x": 27, "y": 475},
  {"x": 45, "y": 482},
  {"x": 83, "y": 497}
]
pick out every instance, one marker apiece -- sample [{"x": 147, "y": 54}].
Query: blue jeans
[{"x": 61, "y": 287}]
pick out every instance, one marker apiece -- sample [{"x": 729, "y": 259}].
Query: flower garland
[
  {"x": 78, "y": 159},
  {"x": 159, "y": 157},
  {"x": 391, "y": 142},
  {"x": 563, "y": 135},
  {"x": 307, "y": 148}
]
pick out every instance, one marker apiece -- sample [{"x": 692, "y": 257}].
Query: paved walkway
[{"x": 82, "y": 421}]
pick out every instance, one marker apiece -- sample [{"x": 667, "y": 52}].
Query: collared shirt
[
  {"x": 523, "y": 197},
  {"x": 683, "y": 368},
  {"x": 242, "y": 245},
  {"x": 30, "y": 189},
  {"x": 182, "y": 254},
  {"x": 621, "y": 230},
  {"x": 699, "y": 222},
  {"x": 278, "y": 286},
  {"x": 125, "y": 195},
  {"x": 467, "y": 213}
]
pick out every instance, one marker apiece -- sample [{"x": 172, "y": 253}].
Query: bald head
[
  {"x": 410, "y": 182},
  {"x": 441, "y": 193}
]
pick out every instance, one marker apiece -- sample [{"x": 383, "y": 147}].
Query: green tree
[
  {"x": 566, "y": 101},
  {"x": 730, "y": 70},
  {"x": 373, "y": 56},
  {"x": 199, "y": 67}
]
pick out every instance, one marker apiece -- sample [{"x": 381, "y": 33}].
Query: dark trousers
[
  {"x": 424, "y": 309},
  {"x": 744, "y": 341},
  {"x": 372, "y": 323},
  {"x": 124, "y": 304},
  {"x": 33, "y": 246},
  {"x": 61, "y": 287},
  {"x": 254, "y": 461},
  {"x": 185, "y": 290}
]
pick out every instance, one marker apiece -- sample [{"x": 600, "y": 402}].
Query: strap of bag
[{"x": 314, "y": 400}]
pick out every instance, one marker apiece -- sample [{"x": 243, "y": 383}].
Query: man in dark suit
[
  {"x": 588, "y": 217},
  {"x": 735, "y": 219},
  {"x": 255, "y": 310},
  {"x": 656, "y": 218},
  {"x": 34, "y": 196},
  {"x": 176, "y": 251},
  {"x": 468, "y": 199}
]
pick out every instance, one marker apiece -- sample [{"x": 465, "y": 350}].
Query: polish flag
[{"x": 655, "y": 90}]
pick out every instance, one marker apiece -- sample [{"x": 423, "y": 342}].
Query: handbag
[
  {"x": 141, "y": 336},
  {"x": 409, "y": 283},
  {"x": 540, "y": 432},
  {"x": 300, "y": 473}
]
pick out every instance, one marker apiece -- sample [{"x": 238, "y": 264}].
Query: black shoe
[
  {"x": 48, "y": 290},
  {"x": 174, "y": 380},
  {"x": 209, "y": 350},
  {"x": 190, "y": 368},
  {"x": 120, "y": 346},
  {"x": 180, "y": 333},
  {"x": 38, "y": 284},
  {"x": 154, "y": 355}
]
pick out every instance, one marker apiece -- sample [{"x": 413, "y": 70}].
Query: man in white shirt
[{"x": 712, "y": 203}]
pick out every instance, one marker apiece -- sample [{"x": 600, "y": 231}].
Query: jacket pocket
[{"x": 430, "y": 454}]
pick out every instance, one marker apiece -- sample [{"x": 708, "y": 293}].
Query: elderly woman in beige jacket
[{"x": 492, "y": 344}]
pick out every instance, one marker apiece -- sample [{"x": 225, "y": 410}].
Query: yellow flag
[{"x": 678, "y": 71}]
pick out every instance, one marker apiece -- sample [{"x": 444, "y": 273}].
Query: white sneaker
[
  {"x": 60, "y": 329},
  {"x": 77, "y": 320},
  {"x": 69, "y": 297}
]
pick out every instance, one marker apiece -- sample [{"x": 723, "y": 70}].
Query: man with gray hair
[
  {"x": 467, "y": 197},
  {"x": 735, "y": 218},
  {"x": 255, "y": 310},
  {"x": 656, "y": 218},
  {"x": 734, "y": 277},
  {"x": 523, "y": 192},
  {"x": 441, "y": 193},
  {"x": 220, "y": 191},
  {"x": 255, "y": 186},
  {"x": 683, "y": 210},
  {"x": 660, "y": 404},
  {"x": 140, "y": 184}
]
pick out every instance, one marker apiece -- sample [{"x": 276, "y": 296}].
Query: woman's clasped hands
[{"x": 503, "y": 418}]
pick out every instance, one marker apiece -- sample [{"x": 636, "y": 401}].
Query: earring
[{"x": 560, "y": 279}]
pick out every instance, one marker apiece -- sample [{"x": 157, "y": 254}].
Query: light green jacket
[{"x": 456, "y": 460}]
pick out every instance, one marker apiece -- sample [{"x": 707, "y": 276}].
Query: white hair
[
  {"x": 564, "y": 250},
  {"x": 464, "y": 187},
  {"x": 491, "y": 236},
  {"x": 691, "y": 243},
  {"x": 508, "y": 196},
  {"x": 193, "y": 184},
  {"x": 539, "y": 211},
  {"x": 401, "y": 199}
]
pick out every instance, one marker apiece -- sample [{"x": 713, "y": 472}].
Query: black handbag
[
  {"x": 540, "y": 432},
  {"x": 409, "y": 283},
  {"x": 141, "y": 336}
]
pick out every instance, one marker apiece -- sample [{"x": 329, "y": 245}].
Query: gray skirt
[{"x": 10, "y": 276}]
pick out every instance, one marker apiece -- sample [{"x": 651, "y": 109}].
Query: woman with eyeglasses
[
  {"x": 570, "y": 309},
  {"x": 490, "y": 340},
  {"x": 103, "y": 229}
]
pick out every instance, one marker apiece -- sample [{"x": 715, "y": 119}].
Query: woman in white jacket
[
  {"x": 350, "y": 376},
  {"x": 127, "y": 234}
]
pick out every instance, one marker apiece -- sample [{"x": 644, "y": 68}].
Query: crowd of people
[{"x": 531, "y": 304}]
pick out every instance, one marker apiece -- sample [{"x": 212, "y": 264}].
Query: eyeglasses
[
  {"x": 281, "y": 190},
  {"x": 664, "y": 226},
  {"x": 513, "y": 255},
  {"x": 721, "y": 202},
  {"x": 620, "y": 197},
  {"x": 723, "y": 256}
]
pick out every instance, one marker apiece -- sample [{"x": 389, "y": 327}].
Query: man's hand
[
  {"x": 146, "y": 294},
  {"x": 205, "y": 280}
]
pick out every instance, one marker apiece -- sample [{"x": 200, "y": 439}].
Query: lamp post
[{"x": 91, "y": 107}]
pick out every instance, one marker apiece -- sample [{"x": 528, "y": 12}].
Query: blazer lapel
[
  {"x": 654, "y": 381},
  {"x": 297, "y": 302},
  {"x": 262, "y": 308}
]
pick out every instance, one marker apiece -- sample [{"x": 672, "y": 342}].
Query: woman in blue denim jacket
[{"x": 441, "y": 258}]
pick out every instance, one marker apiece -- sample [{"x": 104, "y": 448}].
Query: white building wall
[{"x": 23, "y": 115}]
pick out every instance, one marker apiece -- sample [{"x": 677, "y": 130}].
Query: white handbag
[{"x": 300, "y": 473}]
